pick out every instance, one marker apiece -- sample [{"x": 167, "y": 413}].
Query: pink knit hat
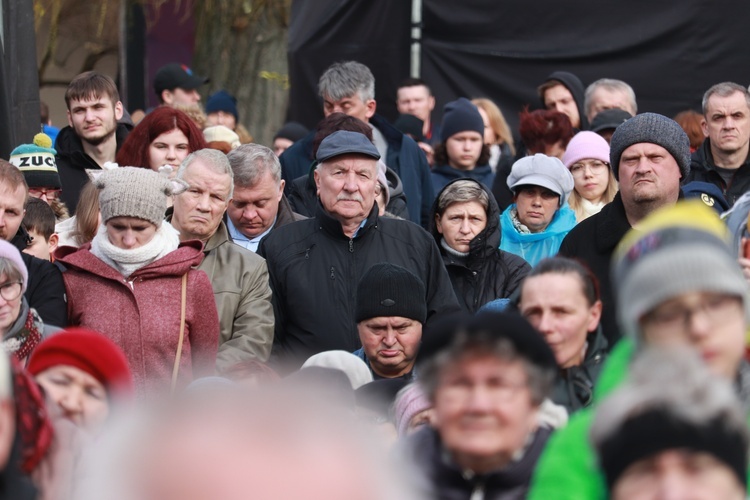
[
  {"x": 410, "y": 401},
  {"x": 586, "y": 145},
  {"x": 10, "y": 252}
]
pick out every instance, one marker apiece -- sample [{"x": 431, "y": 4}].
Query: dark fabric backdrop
[{"x": 670, "y": 52}]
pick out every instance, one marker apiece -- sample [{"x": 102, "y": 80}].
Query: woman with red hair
[
  {"x": 164, "y": 137},
  {"x": 546, "y": 132}
]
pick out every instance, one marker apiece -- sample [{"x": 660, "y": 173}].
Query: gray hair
[
  {"x": 11, "y": 271},
  {"x": 344, "y": 79},
  {"x": 460, "y": 192},
  {"x": 612, "y": 85},
  {"x": 216, "y": 161},
  {"x": 250, "y": 162},
  {"x": 694, "y": 395},
  {"x": 539, "y": 380},
  {"x": 724, "y": 89}
]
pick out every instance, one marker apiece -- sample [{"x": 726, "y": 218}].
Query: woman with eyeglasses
[
  {"x": 560, "y": 298},
  {"x": 20, "y": 325},
  {"x": 587, "y": 158}
]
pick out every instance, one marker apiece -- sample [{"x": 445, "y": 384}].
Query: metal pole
[{"x": 416, "y": 38}]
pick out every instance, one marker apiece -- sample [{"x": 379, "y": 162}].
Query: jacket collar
[
  {"x": 611, "y": 225},
  {"x": 333, "y": 227}
]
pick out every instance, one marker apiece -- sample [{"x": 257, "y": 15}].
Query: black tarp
[
  {"x": 670, "y": 52},
  {"x": 321, "y": 32}
]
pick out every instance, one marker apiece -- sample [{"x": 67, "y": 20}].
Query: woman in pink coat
[{"x": 129, "y": 282}]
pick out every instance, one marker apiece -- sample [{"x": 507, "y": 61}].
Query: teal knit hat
[{"x": 37, "y": 162}]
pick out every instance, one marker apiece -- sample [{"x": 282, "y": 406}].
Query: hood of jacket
[
  {"x": 563, "y": 221},
  {"x": 577, "y": 90},
  {"x": 395, "y": 186},
  {"x": 188, "y": 255},
  {"x": 488, "y": 240}
]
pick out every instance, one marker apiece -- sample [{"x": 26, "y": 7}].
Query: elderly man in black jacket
[{"x": 315, "y": 264}]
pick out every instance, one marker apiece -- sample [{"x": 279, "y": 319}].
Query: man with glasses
[
  {"x": 45, "y": 290},
  {"x": 649, "y": 155},
  {"x": 678, "y": 285}
]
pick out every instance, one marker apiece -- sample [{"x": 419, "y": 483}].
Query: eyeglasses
[
  {"x": 50, "y": 194},
  {"x": 714, "y": 308},
  {"x": 579, "y": 168},
  {"x": 499, "y": 391},
  {"x": 10, "y": 291}
]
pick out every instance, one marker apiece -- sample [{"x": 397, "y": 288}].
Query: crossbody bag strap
[{"x": 178, "y": 357}]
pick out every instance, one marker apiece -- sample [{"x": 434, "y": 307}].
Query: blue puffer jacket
[
  {"x": 444, "y": 174},
  {"x": 536, "y": 246}
]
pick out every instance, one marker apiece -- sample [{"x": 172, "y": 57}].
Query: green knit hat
[{"x": 37, "y": 162}]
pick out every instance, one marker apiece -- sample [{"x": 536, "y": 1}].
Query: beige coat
[{"x": 243, "y": 299}]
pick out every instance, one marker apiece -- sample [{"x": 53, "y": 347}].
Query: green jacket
[{"x": 567, "y": 468}]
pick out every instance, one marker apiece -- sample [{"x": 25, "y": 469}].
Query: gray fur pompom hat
[{"x": 135, "y": 192}]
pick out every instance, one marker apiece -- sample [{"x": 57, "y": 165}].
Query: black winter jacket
[
  {"x": 314, "y": 270},
  {"x": 703, "y": 168},
  {"x": 72, "y": 162},
  {"x": 440, "y": 479},
  {"x": 574, "y": 387},
  {"x": 488, "y": 273},
  {"x": 45, "y": 291}
]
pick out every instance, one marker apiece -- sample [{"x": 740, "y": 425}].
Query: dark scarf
[{"x": 24, "y": 334}]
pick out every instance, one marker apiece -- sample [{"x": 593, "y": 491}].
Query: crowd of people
[{"x": 418, "y": 309}]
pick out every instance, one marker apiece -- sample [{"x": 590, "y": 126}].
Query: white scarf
[
  {"x": 126, "y": 262},
  {"x": 588, "y": 208}
]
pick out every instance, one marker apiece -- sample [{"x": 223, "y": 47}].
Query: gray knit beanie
[
  {"x": 677, "y": 249},
  {"x": 135, "y": 192},
  {"x": 655, "y": 129},
  {"x": 390, "y": 290}
]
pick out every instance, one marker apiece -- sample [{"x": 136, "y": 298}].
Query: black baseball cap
[
  {"x": 176, "y": 75},
  {"x": 609, "y": 119}
]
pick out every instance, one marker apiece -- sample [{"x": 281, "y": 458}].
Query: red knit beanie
[{"x": 86, "y": 350}]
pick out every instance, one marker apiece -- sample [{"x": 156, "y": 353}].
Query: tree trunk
[{"x": 241, "y": 46}]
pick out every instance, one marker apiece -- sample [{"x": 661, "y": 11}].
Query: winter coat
[
  {"x": 315, "y": 268},
  {"x": 574, "y": 386},
  {"x": 141, "y": 314},
  {"x": 303, "y": 197},
  {"x": 568, "y": 470},
  {"x": 404, "y": 157},
  {"x": 443, "y": 174},
  {"x": 45, "y": 290},
  {"x": 534, "y": 247},
  {"x": 488, "y": 273},
  {"x": 239, "y": 279},
  {"x": 441, "y": 479},
  {"x": 703, "y": 169},
  {"x": 72, "y": 162}
]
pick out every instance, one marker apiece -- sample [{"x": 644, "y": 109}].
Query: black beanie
[
  {"x": 459, "y": 116},
  {"x": 655, "y": 431},
  {"x": 390, "y": 290}
]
